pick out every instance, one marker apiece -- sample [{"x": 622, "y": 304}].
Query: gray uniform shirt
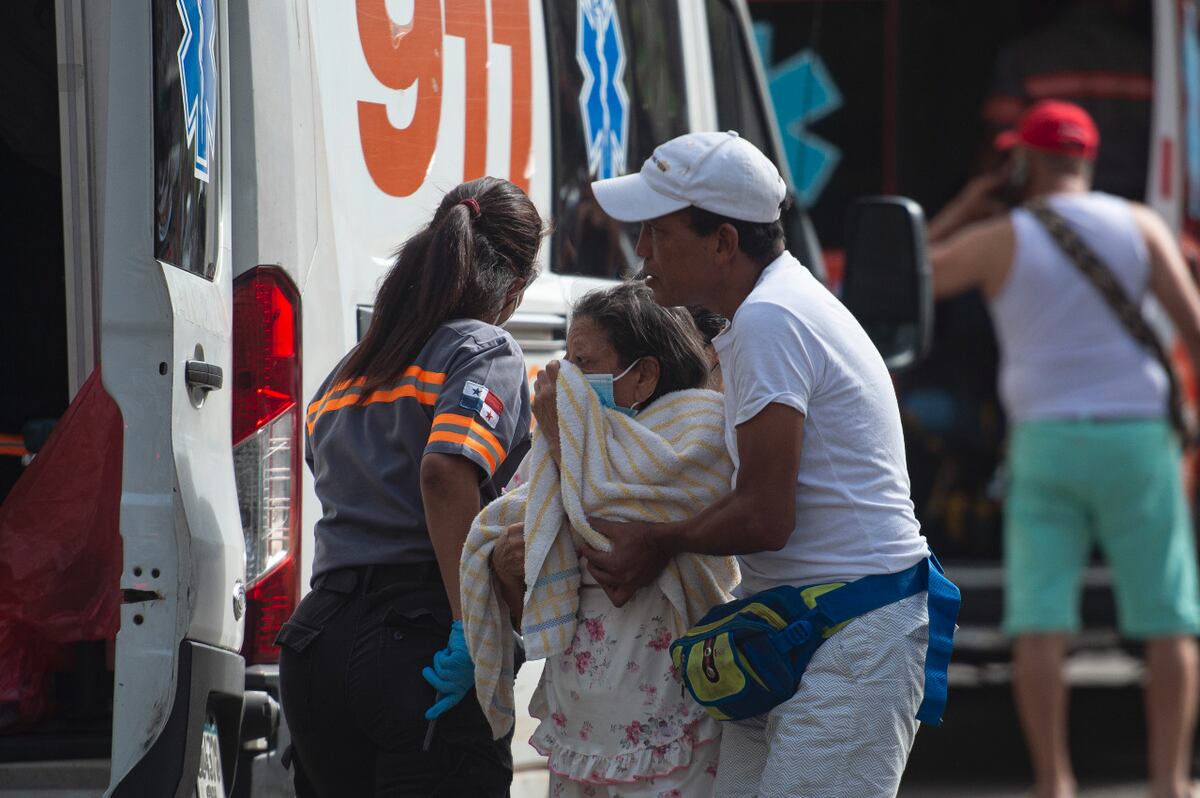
[{"x": 466, "y": 394}]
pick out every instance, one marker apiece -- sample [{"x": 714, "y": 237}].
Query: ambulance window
[
  {"x": 739, "y": 106},
  {"x": 613, "y": 126},
  {"x": 186, "y": 134}
]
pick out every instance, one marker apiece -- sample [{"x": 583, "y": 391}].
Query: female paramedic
[{"x": 419, "y": 426}]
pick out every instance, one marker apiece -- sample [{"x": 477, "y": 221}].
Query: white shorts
[{"x": 850, "y": 726}]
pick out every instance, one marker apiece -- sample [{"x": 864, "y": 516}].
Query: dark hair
[
  {"x": 481, "y": 240},
  {"x": 708, "y": 322},
  {"x": 760, "y": 240},
  {"x": 636, "y": 326}
]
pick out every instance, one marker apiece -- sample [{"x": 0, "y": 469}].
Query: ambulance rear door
[{"x": 159, "y": 139}]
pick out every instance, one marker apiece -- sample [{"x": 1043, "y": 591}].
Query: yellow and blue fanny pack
[{"x": 747, "y": 656}]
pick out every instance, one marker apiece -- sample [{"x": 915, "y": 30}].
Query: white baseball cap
[{"x": 719, "y": 172}]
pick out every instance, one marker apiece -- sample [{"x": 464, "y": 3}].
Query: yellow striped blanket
[{"x": 665, "y": 465}]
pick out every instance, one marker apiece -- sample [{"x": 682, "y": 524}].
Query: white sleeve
[{"x": 774, "y": 358}]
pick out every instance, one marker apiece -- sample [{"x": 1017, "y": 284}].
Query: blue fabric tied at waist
[{"x": 872, "y": 592}]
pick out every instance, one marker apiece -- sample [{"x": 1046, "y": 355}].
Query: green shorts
[{"x": 1112, "y": 484}]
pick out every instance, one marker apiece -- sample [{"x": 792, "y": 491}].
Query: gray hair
[{"x": 636, "y": 326}]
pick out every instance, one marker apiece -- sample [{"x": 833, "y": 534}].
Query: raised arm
[
  {"x": 977, "y": 201},
  {"x": 977, "y": 257}
]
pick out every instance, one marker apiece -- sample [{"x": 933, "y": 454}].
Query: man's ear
[
  {"x": 727, "y": 242},
  {"x": 647, "y": 372}
]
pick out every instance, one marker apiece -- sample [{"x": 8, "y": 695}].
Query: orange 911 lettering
[{"x": 400, "y": 56}]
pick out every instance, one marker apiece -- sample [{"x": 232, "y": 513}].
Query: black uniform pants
[{"x": 354, "y": 698}]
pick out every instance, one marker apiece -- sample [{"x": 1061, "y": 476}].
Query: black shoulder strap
[{"x": 1130, "y": 315}]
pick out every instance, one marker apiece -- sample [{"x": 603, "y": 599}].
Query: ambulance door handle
[{"x": 201, "y": 376}]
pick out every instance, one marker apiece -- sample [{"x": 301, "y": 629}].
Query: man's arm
[
  {"x": 758, "y": 515},
  {"x": 978, "y": 257},
  {"x": 1170, "y": 282},
  {"x": 977, "y": 201}
]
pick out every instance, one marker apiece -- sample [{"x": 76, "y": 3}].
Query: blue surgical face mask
[{"x": 602, "y": 384}]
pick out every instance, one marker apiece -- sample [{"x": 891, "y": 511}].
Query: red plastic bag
[{"x": 60, "y": 550}]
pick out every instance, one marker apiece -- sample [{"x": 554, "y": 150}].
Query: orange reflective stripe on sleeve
[
  {"x": 468, "y": 422},
  {"x": 465, "y": 439},
  {"x": 466, "y": 429}
]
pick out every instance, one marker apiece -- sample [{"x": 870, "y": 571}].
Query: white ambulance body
[
  {"x": 377, "y": 110},
  {"x": 235, "y": 176}
]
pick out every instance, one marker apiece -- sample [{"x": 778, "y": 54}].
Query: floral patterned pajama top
[{"x": 612, "y": 708}]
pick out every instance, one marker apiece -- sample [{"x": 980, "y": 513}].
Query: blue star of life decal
[
  {"x": 603, "y": 100},
  {"x": 198, "y": 78},
  {"x": 803, "y": 92}
]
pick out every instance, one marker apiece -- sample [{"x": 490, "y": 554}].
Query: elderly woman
[{"x": 625, "y": 430}]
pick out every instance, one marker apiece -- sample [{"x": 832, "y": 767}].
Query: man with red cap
[{"x": 1092, "y": 458}]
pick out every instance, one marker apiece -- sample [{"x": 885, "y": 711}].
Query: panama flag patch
[{"x": 478, "y": 398}]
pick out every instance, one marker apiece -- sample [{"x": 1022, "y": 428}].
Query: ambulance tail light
[{"x": 267, "y": 450}]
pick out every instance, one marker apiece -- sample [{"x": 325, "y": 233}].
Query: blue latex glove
[{"x": 452, "y": 674}]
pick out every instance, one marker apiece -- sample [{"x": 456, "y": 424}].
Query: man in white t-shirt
[{"x": 820, "y": 492}]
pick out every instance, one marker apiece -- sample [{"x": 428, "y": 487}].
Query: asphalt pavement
[{"x": 978, "y": 751}]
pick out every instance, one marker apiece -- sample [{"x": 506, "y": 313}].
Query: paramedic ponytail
[{"x": 472, "y": 258}]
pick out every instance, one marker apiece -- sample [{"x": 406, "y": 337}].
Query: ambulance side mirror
[{"x": 886, "y": 283}]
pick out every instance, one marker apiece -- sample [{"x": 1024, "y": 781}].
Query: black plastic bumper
[{"x": 211, "y": 681}]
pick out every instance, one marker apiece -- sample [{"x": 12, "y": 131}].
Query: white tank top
[{"x": 1063, "y": 353}]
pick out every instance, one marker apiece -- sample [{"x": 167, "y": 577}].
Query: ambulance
[{"x": 200, "y": 199}]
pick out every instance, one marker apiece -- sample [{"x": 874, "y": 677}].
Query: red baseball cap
[{"x": 1054, "y": 126}]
